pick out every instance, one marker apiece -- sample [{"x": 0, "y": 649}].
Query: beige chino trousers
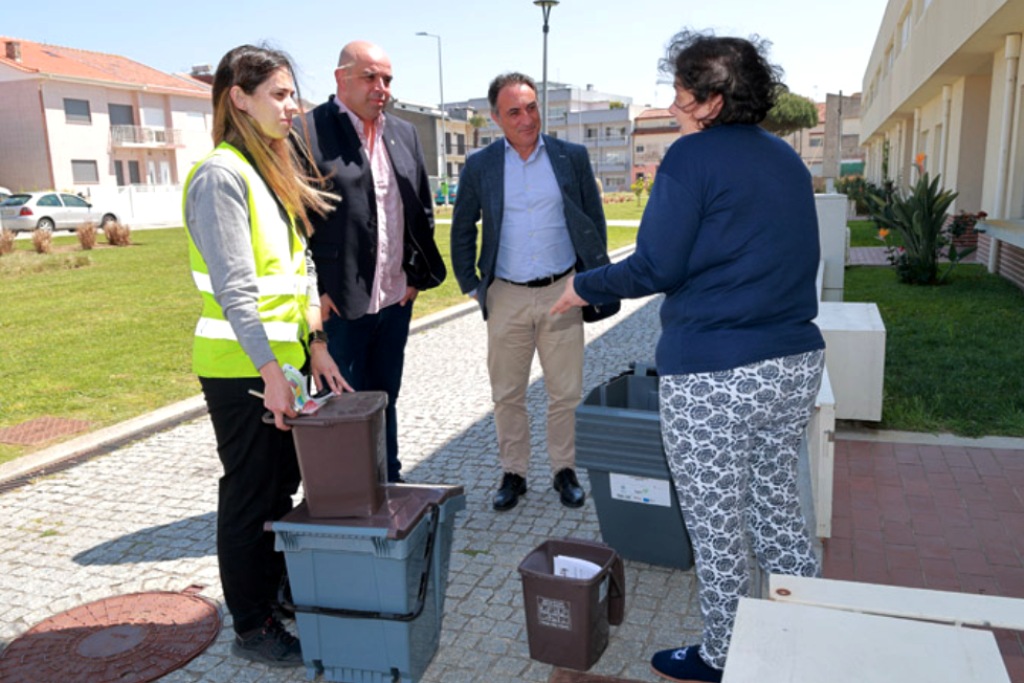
[{"x": 518, "y": 324}]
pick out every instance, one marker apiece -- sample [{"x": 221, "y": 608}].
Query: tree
[
  {"x": 790, "y": 113},
  {"x": 478, "y": 122}
]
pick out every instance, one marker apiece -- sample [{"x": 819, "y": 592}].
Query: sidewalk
[{"x": 141, "y": 517}]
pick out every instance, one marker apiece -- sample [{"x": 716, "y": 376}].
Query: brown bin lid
[
  {"x": 352, "y": 406},
  {"x": 403, "y": 507}
]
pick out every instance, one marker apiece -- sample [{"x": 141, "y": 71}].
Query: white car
[{"x": 28, "y": 211}]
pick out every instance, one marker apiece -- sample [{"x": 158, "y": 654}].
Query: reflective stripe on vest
[{"x": 281, "y": 279}]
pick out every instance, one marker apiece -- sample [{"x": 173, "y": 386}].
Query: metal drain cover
[{"x": 127, "y": 638}]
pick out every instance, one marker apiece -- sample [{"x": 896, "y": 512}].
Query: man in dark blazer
[
  {"x": 542, "y": 220},
  {"x": 375, "y": 251}
]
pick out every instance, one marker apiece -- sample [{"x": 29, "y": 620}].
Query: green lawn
[
  {"x": 865, "y": 234},
  {"x": 106, "y": 335},
  {"x": 950, "y": 365}
]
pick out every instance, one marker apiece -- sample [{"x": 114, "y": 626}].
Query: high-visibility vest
[{"x": 280, "y": 265}]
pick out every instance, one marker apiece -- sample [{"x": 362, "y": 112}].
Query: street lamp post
[
  {"x": 443, "y": 171},
  {"x": 545, "y": 7}
]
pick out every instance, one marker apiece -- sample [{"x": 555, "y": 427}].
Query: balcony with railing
[{"x": 145, "y": 136}]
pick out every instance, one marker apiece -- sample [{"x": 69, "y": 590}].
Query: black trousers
[{"x": 261, "y": 473}]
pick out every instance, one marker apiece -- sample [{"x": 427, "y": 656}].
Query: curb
[{"x": 66, "y": 453}]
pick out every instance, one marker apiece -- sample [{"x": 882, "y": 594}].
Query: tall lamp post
[
  {"x": 443, "y": 171},
  {"x": 545, "y": 7}
]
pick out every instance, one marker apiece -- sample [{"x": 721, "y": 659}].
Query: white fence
[{"x": 139, "y": 205}]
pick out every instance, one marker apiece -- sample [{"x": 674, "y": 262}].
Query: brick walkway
[{"x": 931, "y": 516}]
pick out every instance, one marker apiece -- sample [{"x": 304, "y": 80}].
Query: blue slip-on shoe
[{"x": 686, "y": 665}]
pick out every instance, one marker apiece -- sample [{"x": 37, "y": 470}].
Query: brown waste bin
[
  {"x": 567, "y": 619},
  {"x": 342, "y": 455}
]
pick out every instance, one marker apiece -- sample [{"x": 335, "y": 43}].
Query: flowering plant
[
  {"x": 919, "y": 217},
  {"x": 963, "y": 223}
]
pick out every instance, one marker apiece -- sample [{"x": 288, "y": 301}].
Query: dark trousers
[
  {"x": 261, "y": 473},
  {"x": 370, "y": 352}
]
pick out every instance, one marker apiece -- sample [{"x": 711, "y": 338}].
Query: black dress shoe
[
  {"x": 512, "y": 486},
  {"x": 569, "y": 489}
]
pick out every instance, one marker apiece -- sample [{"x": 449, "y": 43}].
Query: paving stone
[{"x": 142, "y": 517}]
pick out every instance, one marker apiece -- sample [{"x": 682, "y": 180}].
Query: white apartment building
[
  {"x": 943, "y": 88},
  {"x": 90, "y": 122}
]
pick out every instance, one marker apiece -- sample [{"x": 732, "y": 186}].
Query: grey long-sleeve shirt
[{"x": 217, "y": 218}]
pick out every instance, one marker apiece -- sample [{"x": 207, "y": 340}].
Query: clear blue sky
[{"x": 823, "y": 45}]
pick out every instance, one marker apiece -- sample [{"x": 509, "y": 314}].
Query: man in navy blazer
[
  {"x": 375, "y": 251},
  {"x": 542, "y": 220}
]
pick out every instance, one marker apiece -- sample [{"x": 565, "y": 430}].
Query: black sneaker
[{"x": 271, "y": 645}]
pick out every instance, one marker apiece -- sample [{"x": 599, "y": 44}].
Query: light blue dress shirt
[{"x": 535, "y": 242}]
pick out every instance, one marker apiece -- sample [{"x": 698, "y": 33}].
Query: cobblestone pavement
[{"x": 141, "y": 518}]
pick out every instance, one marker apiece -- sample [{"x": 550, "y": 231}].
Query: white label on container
[
  {"x": 554, "y": 613},
  {"x": 640, "y": 489}
]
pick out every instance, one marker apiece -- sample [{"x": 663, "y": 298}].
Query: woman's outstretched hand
[{"x": 569, "y": 298}]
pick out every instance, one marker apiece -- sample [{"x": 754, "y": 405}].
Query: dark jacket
[
  {"x": 344, "y": 244},
  {"x": 482, "y": 193},
  {"x": 730, "y": 235}
]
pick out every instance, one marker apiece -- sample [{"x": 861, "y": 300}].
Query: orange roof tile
[
  {"x": 655, "y": 114},
  {"x": 54, "y": 60}
]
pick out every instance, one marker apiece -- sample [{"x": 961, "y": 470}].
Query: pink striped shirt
[{"x": 389, "y": 282}]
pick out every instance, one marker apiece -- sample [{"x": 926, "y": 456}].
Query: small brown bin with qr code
[{"x": 572, "y": 590}]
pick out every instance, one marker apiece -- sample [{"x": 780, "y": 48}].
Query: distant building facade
[
  {"x": 446, "y": 146},
  {"x": 809, "y": 143},
  {"x": 83, "y": 121},
  {"x": 654, "y": 130},
  {"x": 943, "y": 89}
]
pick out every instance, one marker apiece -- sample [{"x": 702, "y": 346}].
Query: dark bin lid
[
  {"x": 352, "y": 406},
  {"x": 404, "y": 506}
]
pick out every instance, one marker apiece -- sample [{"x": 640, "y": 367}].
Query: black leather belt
[{"x": 541, "y": 281}]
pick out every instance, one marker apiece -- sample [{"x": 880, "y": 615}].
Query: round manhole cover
[{"x": 126, "y": 638}]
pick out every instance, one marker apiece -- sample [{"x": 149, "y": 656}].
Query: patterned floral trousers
[{"x": 732, "y": 440}]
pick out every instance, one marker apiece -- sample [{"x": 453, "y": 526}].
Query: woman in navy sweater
[{"x": 730, "y": 236}]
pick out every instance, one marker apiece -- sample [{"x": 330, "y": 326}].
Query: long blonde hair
[{"x": 277, "y": 161}]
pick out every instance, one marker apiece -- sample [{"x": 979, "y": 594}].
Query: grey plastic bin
[
  {"x": 618, "y": 441},
  {"x": 369, "y": 592}
]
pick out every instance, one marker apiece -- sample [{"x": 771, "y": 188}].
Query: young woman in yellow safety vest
[{"x": 246, "y": 208}]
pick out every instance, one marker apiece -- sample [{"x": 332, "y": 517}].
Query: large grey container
[
  {"x": 369, "y": 591},
  {"x": 618, "y": 441}
]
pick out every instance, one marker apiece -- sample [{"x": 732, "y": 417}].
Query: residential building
[
  {"x": 600, "y": 121},
  {"x": 942, "y": 88},
  {"x": 809, "y": 143},
  {"x": 442, "y": 149},
  {"x": 654, "y": 130},
  {"x": 89, "y": 122}
]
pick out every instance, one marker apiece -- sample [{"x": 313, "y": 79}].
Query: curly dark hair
[{"x": 735, "y": 68}]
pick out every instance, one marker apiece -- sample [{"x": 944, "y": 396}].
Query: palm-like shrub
[{"x": 919, "y": 217}]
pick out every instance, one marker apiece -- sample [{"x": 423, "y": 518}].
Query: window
[
  {"x": 83, "y": 171},
  {"x": 77, "y": 111},
  {"x": 75, "y": 201},
  {"x": 48, "y": 200},
  {"x": 134, "y": 176},
  {"x": 817, "y": 141},
  {"x": 640, "y": 150},
  {"x": 121, "y": 115}
]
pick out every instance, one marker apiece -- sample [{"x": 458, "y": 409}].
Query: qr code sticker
[{"x": 554, "y": 613}]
